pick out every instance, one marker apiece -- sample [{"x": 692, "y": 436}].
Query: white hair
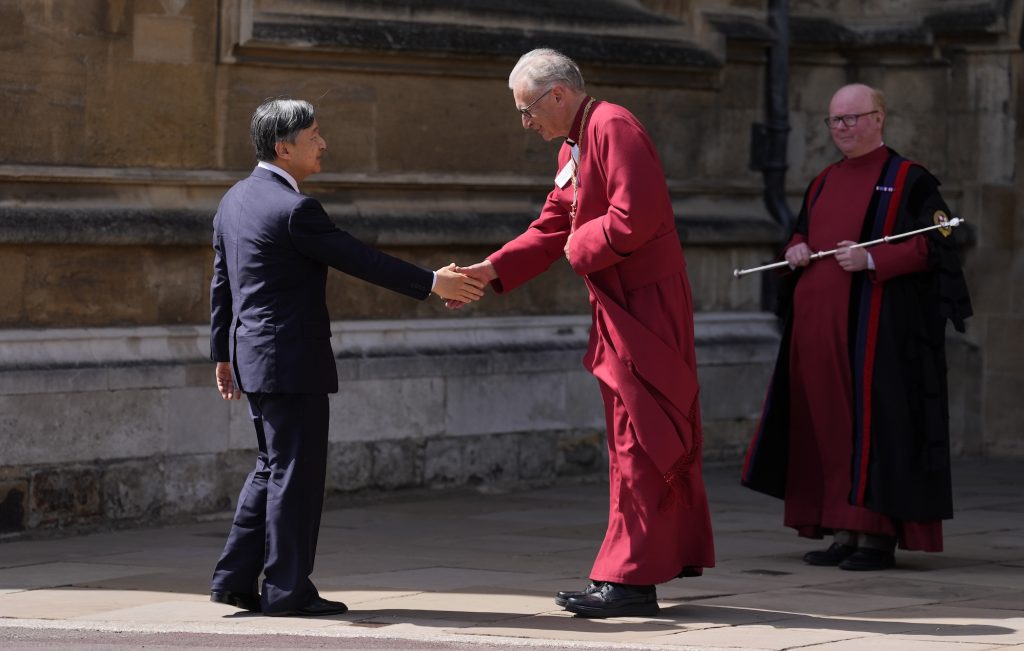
[{"x": 545, "y": 67}]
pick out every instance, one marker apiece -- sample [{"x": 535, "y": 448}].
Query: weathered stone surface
[
  {"x": 581, "y": 452},
  {"x": 583, "y": 404},
  {"x": 349, "y": 466},
  {"x": 192, "y": 484},
  {"x": 444, "y": 462},
  {"x": 964, "y": 378},
  {"x": 195, "y": 421},
  {"x": 132, "y": 491},
  {"x": 86, "y": 426},
  {"x": 489, "y": 459},
  {"x": 373, "y": 410},
  {"x": 538, "y": 454},
  {"x": 397, "y": 464},
  {"x": 61, "y": 496},
  {"x": 1003, "y": 412},
  {"x": 505, "y": 403}
]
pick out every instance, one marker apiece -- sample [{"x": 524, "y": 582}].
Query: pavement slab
[{"x": 478, "y": 568}]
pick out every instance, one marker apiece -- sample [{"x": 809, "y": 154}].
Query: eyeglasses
[
  {"x": 526, "y": 111},
  {"x": 849, "y": 120}
]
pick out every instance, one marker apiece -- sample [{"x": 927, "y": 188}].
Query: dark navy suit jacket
[{"x": 272, "y": 246}]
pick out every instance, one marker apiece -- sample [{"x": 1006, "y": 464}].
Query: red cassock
[{"x": 625, "y": 245}]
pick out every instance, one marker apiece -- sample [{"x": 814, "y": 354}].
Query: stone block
[
  {"x": 64, "y": 496},
  {"x": 715, "y": 289},
  {"x": 726, "y": 440},
  {"x": 538, "y": 454},
  {"x": 1003, "y": 412},
  {"x": 133, "y": 378},
  {"x": 505, "y": 403},
  {"x": 51, "y": 381},
  {"x": 1003, "y": 345},
  {"x": 490, "y": 458},
  {"x": 12, "y": 281},
  {"x": 401, "y": 365},
  {"x": 200, "y": 375},
  {"x": 13, "y": 504},
  {"x": 996, "y": 224},
  {"x": 533, "y": 358},
  {"x": 733, "y": 391},
  {"x": 241, "y": 432},
  {"x": 964, "y": 361},
  {"x": 178, "y": 100},
  {"x": 195, "y": 421},
  {"x": 132, "y": 491},
  {"x": 349, "y": 466},
  {"x": 582, "y": 453},
  {"x": 173, "y": 275},
  {"x": 987, "y": 296},
  {"x": 83, "y": 286},
  {"x": 234, "y": 467},
  {"x": 445, "y": 462},
  {"x": 72, "y": 427},
  {"x": 374, "y": 410},
  {"x": 192, "y": 484},
  {"x": 163, "y": 39},
  {"x": 397, "y": 464},
  {"x": 583, "y": 404}
]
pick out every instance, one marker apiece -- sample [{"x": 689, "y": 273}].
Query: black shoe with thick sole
[
  {"x": 830, "y": 557},
  {"x": 866, "y": 559},
  {"x": 244, "y": 600},
  {"x": 616, "y": 600},
  {"x": 316, "y": 608},
  {"x": 564, "y": 596}
]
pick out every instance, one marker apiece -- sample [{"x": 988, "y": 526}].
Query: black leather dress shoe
[
  {"x": 564, "y": 596},
  {"x": 830, "y": 557},
  {"x": 316, "y": 608},
  {"x": 616, "y": 600},
  {"x": 244, "y": 600},
  {"x": 866, "y": 559}
]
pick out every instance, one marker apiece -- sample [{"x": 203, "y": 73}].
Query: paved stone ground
[{"x": 477, "y": 570}]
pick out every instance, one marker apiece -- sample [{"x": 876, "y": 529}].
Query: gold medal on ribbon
[{"x": 940, "y": 218}]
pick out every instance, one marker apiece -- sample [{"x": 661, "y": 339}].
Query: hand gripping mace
[{"x": 956, "y": 221}]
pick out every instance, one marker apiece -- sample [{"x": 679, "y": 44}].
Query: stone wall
[
  {"x": 112, "y": 426},
  {"x": 128, "y": 120}
]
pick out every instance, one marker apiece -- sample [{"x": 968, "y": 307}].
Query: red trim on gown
[{"x": 821, "y": 398}]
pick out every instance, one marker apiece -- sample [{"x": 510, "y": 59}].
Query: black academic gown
[{"x": 900, "y": 440}]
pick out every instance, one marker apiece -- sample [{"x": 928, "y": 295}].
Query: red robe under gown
[
  {"x": 821, "y": 398},
  {"x": 641, "y": 346}
]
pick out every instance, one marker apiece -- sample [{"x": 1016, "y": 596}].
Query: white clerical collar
[{"x": 280, "y": 172}]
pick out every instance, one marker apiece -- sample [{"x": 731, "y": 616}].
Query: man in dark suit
[{"x": 270, "y": 337}]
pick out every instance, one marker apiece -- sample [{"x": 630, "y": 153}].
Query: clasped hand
[
  {"x": 849, "y": 259},
  {"x": 453, "y": 284},
  {"x": 481, "y": 272}
]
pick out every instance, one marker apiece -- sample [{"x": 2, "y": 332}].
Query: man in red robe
[
  {"x": 855, "y": 430},
  {"x": 610, "y": 215}
]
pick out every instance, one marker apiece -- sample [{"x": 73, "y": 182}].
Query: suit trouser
[{"x": 278, "y": 516}]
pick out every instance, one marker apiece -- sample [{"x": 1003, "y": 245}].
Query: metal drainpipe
[
  {"x": 776, "y": 127},
  {"x": 769, "y": 140}
]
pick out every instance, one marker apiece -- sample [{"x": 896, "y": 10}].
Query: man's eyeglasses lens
[
  {"x": 849, "y": 120},
  {"x": 526, "y": 111}
]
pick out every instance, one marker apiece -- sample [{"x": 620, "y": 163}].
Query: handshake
[{"x": 461, "y": 285}]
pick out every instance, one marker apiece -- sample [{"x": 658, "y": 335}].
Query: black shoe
[
  {"x": 565, "y": 595},
  {"x": 316, "y": 608},
  {"x": 830, "y": 557},
  {"x": 866, "y": 559},
  {"x": 616, "y": 600},
  {"x": 244, "y": 600}
]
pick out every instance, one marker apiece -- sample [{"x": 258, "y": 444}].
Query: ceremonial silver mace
[{"x": 956, "y": 221}]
